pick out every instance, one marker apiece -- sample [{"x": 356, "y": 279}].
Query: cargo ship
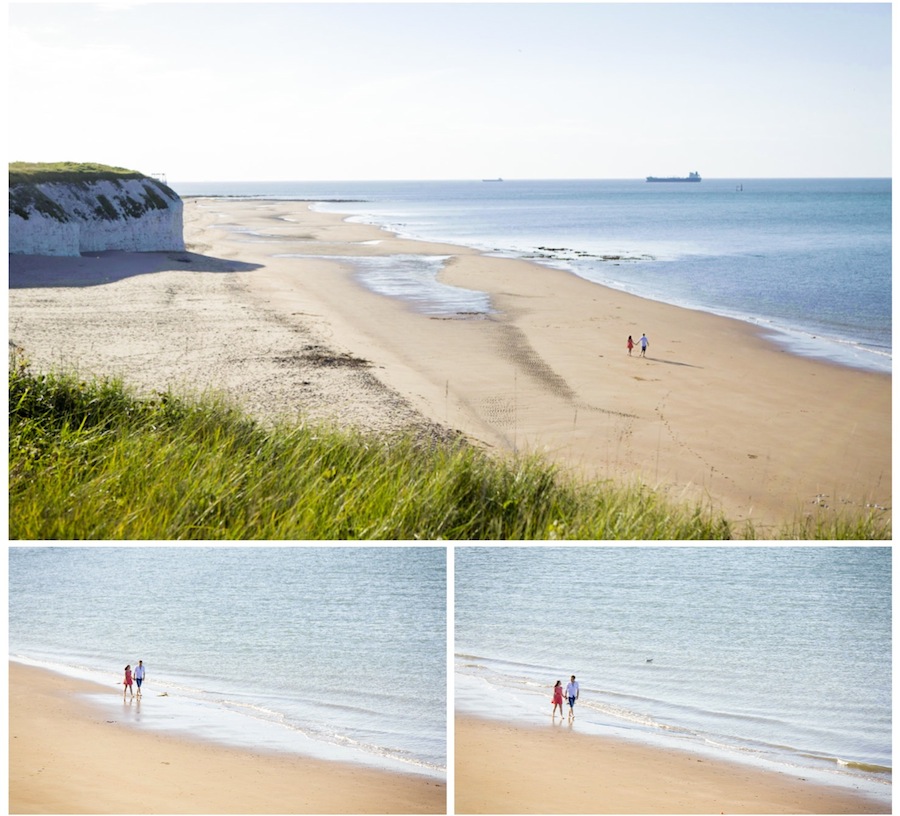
[{"x": 695, "y": 176}]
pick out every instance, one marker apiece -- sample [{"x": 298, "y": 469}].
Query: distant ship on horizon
[
  {"x": 496, "y": 179},
  {"x": 695, "y": 176}
]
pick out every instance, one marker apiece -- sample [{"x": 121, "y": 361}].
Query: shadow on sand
[
  {"x": 97, "y": 268},
  {"x": 671, "y": 362}
]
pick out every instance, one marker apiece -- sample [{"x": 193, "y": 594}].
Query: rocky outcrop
[{"x": 91, "y": 214}]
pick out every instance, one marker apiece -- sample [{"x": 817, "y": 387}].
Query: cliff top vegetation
[
  {"x": 39, "y": 172},
  {"x": 27, "y": 197}
]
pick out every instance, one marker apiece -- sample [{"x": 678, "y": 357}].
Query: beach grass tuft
[{"x": 90, "y": 460}]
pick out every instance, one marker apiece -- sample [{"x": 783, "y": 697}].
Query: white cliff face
[
  {"x": 42, "y": 235},
  {"x": 61, "y": 218}
]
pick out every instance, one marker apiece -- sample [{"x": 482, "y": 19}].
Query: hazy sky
[{"x": 256, "y": 91}]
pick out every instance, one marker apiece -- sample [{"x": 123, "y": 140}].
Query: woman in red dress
[
  {"x": 128, "y": 686},
  {"x": 558, "y": 698}
]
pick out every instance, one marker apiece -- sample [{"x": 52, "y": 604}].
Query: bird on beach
[{"x": 650, "y": 660}]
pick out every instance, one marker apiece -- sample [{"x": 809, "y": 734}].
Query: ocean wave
[{"x": 867, "y": 767}]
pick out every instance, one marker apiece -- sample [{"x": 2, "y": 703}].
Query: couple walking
[
  {"x": 571, "y": 694},
  {"x": 137, "y": 677},
  {"x": 644, "y": 342}
]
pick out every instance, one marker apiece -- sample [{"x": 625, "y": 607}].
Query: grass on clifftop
[
  {"x": 38, "y": 172},
  {"x": 90, "y": 461}
]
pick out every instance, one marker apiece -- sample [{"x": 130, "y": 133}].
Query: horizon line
[{"x": 524, "y": 178}]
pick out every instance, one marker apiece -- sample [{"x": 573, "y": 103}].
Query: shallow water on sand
[{"x": 413, "y": 278}]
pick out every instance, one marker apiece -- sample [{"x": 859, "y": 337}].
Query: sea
[
  {"x": 338, "y": 653},
  {"x": 808, "y": 261},
  {"x": 775, "y": 656}
]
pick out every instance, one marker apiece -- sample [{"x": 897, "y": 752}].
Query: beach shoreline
[
  {"x": 715, "y": 414},
  {"x": 808, "y": 342},
  {"x": 506, "y": 767},
  {"x": 67, "y": 756}
]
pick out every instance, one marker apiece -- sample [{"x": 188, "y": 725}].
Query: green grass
[
  {"x": 88, "y": 460},
  {"x": 39, "y": 172},
  {"x": 25, "y": 196}
]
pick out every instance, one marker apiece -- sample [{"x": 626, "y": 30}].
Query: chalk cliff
[{"x": 92, "y": 213}]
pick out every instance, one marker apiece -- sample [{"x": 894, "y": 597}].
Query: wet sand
[
  {"x": 66, "y": 756},
  {"x": 505, "y": 768}
]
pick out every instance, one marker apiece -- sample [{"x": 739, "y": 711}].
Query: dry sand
[
  {"x": 715, "y": 413},
  {"x": 67, "y": 757},
  {"x": 503, "y": 768}
]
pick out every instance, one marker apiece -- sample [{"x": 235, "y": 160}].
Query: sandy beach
[
  {"x": 67, "y": 756},
  {"x": 266, "y": 308},
  {"x": 506, "y": 768}
]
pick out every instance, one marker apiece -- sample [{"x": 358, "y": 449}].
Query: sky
[{"x": 341, "y": 91}]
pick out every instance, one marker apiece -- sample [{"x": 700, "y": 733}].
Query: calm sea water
[
  {"x": 779, "y": 656},
  {"x": 808, "y": 260},
  {"x": 337, "y": 652}
]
